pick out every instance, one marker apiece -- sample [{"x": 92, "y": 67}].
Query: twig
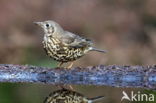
[{"x": 116, "y": 76}]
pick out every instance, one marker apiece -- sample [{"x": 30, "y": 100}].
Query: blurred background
[{"x": 126, "y": 28}]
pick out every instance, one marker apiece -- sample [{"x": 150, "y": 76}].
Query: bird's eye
[{"x": 47, "y": 25}]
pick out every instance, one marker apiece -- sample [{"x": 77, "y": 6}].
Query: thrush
[
  {"x": 62, "y": 45},
  {"x": 68, "y": 96}
]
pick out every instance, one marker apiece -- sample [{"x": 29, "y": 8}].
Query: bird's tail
[
  {"x": 95, "y": 99},
  {"x": 99, "y": 50}
]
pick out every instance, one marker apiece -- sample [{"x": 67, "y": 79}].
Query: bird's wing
[{"x": 70, "y": 39}]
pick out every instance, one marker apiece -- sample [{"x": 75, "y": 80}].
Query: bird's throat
[{"x": 47, "y": 38}]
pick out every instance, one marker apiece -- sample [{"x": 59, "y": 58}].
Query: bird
[
  {"x": 68, "y": 96},
  {"x": 64, "y": 46}
]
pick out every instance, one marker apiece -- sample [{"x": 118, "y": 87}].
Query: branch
[{"x": 116, "y": 76}]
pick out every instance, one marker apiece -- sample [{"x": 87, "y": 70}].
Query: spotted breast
[{"x": 59, "y": 52}]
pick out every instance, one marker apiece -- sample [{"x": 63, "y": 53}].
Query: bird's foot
[{"x": 66, "y": 87}]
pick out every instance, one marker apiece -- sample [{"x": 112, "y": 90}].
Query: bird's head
[{"x": 50, "y": 27}]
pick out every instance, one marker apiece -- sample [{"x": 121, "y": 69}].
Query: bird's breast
[{"x": 56, "y": 50}]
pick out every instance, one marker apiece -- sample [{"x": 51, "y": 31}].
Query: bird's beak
[{"x": 38, "y": 23}]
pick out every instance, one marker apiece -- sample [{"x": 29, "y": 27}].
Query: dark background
[{"x": 126, "y": 28}]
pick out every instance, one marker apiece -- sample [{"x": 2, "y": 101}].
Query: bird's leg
[
  {"x": 66, "y": 86},
  {"x": 71, "y": 64},
  {"x": 60, "y": 64},
  {"x": 60, "y": 86},
  {"x": 70, "y": 87}
]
